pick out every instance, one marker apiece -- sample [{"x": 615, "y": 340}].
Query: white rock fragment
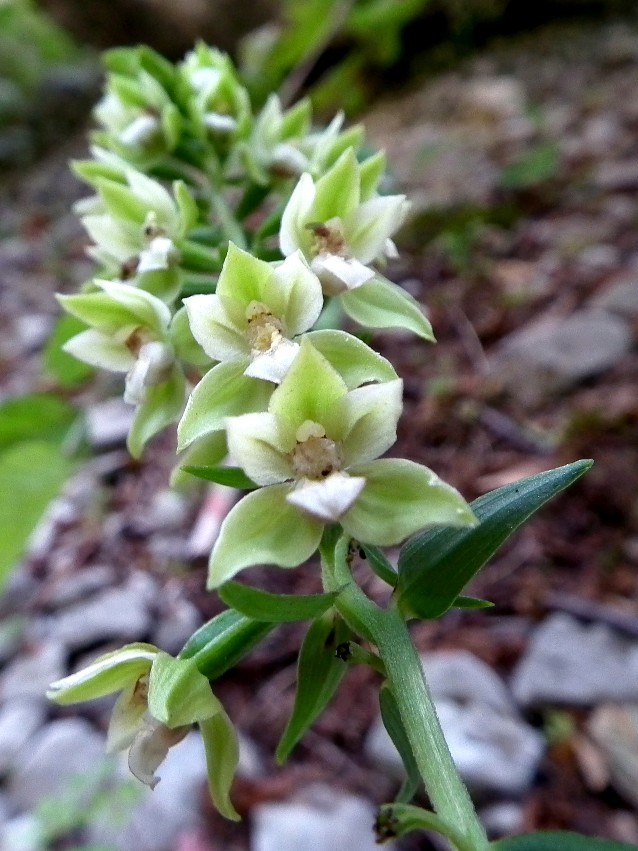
[
  {"x": 575, "y": 663},
  {"x": 321, "y": 820}
]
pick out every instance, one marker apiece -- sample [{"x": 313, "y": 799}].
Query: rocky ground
[{"x": 523, "y": 168}]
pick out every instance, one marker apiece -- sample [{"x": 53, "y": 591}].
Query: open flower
[
  {"x": 255, "y": 313},
  {"x": 342, "y": 227},
  {"x": 130, "y": 333},
  {"x": 135, "y": 224},
  {"x": 160, "y": 699},
  {"x": 313, "y": 452}
]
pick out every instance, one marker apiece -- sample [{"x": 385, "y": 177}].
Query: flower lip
[{"x": 327, "y": 500}]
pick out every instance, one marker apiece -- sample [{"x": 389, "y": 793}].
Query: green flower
[
  {"x": 342, "y": 227},
  {"x": 160, "y": 699},
  {"x": 314, "y": 453},
  {"x": 130, "y": 332}
]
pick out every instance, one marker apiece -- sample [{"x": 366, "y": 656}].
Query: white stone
[
  {"x": 65, "y": 752},
  {"x": 570, "y": 662},
  {"x": 320, "y": 820},
  {"x": 30, "y": 674},
  {"x": 23, "y": 833},
  {"x": 108, "y": 423},
  {"x": 120, "y": 614},
  {"x": 19, "y": 720}
]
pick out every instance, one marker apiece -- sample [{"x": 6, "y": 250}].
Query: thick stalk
[{"x": 389, "y": 632}]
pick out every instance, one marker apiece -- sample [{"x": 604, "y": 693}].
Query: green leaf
[
  {"x": 161, "y": 407},
  {"x": 67, "y": 370},
  {"x": 471, "y": 603},
  {"x": 319, "y": 673},
  {"x": 391, "y": 718},
  {"x": 223, "y": 641},
  {"x": 380, "y": 565},
  {"x": 277, "y": 608},
  {"x": 436, "y": 565},
  {"x": 232, "y": 477},
  {"x": 559, "y": 841},
  {"x": 222, "y": 759},
  {"x": 36, "y": 417},
  {"x": 31, "y": 475}
]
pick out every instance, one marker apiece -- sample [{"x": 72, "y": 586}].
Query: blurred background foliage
[{"x": 342, "y": 52}]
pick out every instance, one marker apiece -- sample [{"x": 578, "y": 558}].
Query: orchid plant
[{"x": 232, "y": 246}]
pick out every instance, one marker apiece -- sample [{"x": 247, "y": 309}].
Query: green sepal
[
  {"x": 392, "y": 722},
  {"x": 337, "y": 191},
  {"x": 319, "y": 673},
  {"x": 162, "y": 406},
  {"x": 121, "y": 202},
  {"x": 371, "y": 171},
  {"x": 222, "y": 642},
  {"x": 436, "y": 565},
  {"x": 275, "y": 608},
  {"x": 231, "y": 477},
  {"x": 178, "y": 693},
  {"x": 380, "y": 565},
  {"x": 382, "y": 304},
  {"x": 223, "y": 392},
  {"x": 462, "y": 602},
  {"x": 355, "y": 361},
  {"x": 186, "y": 347},
  {"x": 222, "y": 759},
  {"x": 189, "y": 213},
  {"x": 557, "y": 840}
]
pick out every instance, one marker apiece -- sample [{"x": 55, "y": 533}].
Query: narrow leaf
[
  {"x": 471, "y": 603},
  {"x": 380, "y": 564},
  {"x": 220, "y": 643},
  {"x": 558, "y": 841},
  {"x": 232, "y": 477},
  {"x": 319, "y": 673},
  {"x": 436, "y": 565},
  {"x": 394, "y": 725},
  {"x": 274, "y": 608}
]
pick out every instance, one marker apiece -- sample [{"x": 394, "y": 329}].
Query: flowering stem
[{"x": 389, "y": 632}]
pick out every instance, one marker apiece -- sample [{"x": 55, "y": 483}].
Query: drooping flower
[
  {"x": 313, "y": 452},
  {"x": 130, "y": 332},
  {"x": 342, "y": 227},
  {"x": 160, "y": 700}
]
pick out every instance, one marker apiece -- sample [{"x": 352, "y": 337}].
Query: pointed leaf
[
  {"x": 391, "y": 718},
  {"x": 319, "y": 673},
  {"x": 277, "y": 608},
  {"x": 231, "y": 477},
  {"x": 380, "y": 564},
  {"x": 471, "y": 603},
  {"x": 435, "y": 566},
  {"x": 558, "y": 841},
  {"x": 223, "y": 641},
  {"x": 222, "y": 759}
]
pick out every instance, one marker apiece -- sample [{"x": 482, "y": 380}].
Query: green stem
[{"x": 389, "y": 632}]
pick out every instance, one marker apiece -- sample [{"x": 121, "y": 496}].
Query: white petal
[
  {"x": 149, "y": 750},
  {"x": 206, "y": 79},
  {"x": 327, "y": 500},
  {"x": 340, "y": 274},
  {"x": 104, "y": 663},
  {"x": 159, "y": 254},
  {"x": 287, "y": 158},
  {"x": 140, "y": 131},
  {"x": 219, "y": 123},
  {"x": 100, "y": 350},
  {"x": 275, "y": 363},
  {"x": 296, "y": 215},
  {"x": 255, "y": 443},
  {"x": 152, "y": 366}
]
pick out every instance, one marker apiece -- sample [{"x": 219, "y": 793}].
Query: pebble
[
  {"x": 31, "y": 673},
  {"x": 19, "y": 720},
  {"x": 320, "y": 819},
  {"x": 554, "y": 355},
  {"x": 614, "y": 729},
  {"x": 568, "y": 662},
  {"x": 621, "y": 296},
  {"x": 67, "y": 751},
  {"x": 120, "y": 614},
  {"x": 108, "y": 423}
]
